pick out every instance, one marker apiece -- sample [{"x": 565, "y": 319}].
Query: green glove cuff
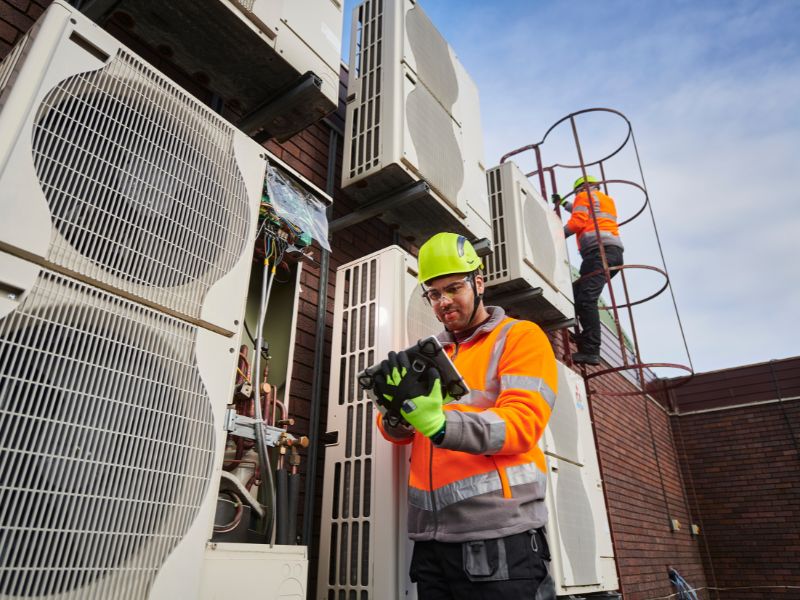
[{"x": 425, "y": 413}]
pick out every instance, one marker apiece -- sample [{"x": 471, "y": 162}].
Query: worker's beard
[{"x": 453, "y": 318}]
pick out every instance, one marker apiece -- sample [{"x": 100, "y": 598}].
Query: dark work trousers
[
  {"x": 587, "y": 291},
  {"x": 514, "y": 567}
]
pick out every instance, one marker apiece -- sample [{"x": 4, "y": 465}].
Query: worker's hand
[
  {"x": 425, "y": 412},
  {"x": 557, "y": 200},
  {"x": 390, "y": 375}
]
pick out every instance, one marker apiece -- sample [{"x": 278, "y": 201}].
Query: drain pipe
[{"x": 319, "y": 353}]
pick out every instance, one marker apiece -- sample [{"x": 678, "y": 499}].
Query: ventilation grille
[
  {"x": 497, "y": 261},
  {"x": 349, "y": 553},
  {"x": 106, "y": 443},
  {"x": 246, "y": 5},
  {"x": 142, "y": 183},
  {"x": 9, "y": 62},
  {"x": 365, "y": 148}
]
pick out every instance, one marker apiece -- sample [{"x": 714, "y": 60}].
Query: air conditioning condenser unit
[
  {"x": 578, "y": 530},
  {"x": 276, "y": 62},
  {"x": 413, "y": 114},
  {"x": 528, "y": 272},
  {"x": 364, "y": 540},
  {"x": 126, "y": 225}
]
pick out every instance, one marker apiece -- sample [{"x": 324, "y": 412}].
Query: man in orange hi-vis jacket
[
  {"x": 587, "y": 290},
  {"x": 477, "y": 480}
]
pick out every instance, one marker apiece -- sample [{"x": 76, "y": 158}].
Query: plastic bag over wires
[{"x": 302, "y": 213}]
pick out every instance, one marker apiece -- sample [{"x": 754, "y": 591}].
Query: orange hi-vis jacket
[
  {"x": 487, "y": 477},
  {"x": 581, "y": 224}
]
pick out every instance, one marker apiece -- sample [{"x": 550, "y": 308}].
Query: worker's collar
[{"x": 496, "y": 315}]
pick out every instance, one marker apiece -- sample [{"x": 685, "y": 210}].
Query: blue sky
[{"x": 713, "y": 92}]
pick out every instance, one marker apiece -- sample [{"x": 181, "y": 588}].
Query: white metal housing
[
  {"x": 413, "y": 113},
  {"x": 254, "y": 571},
  {"x": 126, "y": 221},
  {"x": 578, "y": 530},
  {"x": 529, "y": 254},
  {"x": 111, "y": 172},
  {"x": 364, "y": 540},
  {"x": 250, "y": 51}
]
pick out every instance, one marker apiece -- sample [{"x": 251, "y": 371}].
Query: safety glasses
[{"x": 434, "y": 296}]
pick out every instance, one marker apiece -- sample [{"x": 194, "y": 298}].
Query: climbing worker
[
  {"x": 587, "y": 290},
  {"x": 476, "y": 488}
]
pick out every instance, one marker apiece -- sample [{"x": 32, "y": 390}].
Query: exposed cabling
[{"x": 248, "y": 463}]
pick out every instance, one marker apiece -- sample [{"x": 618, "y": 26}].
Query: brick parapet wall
[{"x": 742, "y": 471}]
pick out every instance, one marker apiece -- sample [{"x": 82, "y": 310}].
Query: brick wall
[
  {"x": 739, "y": 450},
  {"x": 16, "y": 17}
]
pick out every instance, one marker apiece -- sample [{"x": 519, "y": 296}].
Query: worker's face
[{"x": 453, "y": 300}]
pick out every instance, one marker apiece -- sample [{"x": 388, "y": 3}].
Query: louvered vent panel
[
  {"x": 365, "y": 145},
  {"x": 142, "y": 183},
  {"x": 106, "y": 442},
  {"x": 10, "y": 62},
  {"x": 245, "y": 4},
  {"x": 497, "y": 262},
  {"x": 351, "y": 509}
]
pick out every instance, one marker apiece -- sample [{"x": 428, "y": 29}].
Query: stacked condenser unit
[
  {"x": 578, "y": 530},
  {"x": 528, "y": 273},
  {"x": 274, "y": 63},
  {"x": 413, "y": 115},
  {"x": 127, "y": 219},
  {"x": 364, "y": 549}
]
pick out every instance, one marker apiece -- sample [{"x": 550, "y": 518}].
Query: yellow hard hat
[
  {"x": 447, "y": 254},
  {"x": 581, "y": 180}
]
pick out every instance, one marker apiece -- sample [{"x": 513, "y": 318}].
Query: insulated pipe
[
  {"x": 294, "y": 497},
  {"x": 282, "y": 508},
  {"x": 261, "y": 446}
]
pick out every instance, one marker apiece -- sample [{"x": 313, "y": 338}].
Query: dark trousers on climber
[{"x": 586, "y": 292}]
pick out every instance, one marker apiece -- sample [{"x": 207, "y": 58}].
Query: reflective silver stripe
[
  {"x": 530, "y": 384},
  {"x": 492, "y": 384},
  {"x": 604, "y": 235},
  {"x": 527, "y": 473},
  {"x": 475, "y": 486},
  {"x": 456, "y": 491},
  {"x": 478, "y": 398},
  {"x": 597, "y": 213}
]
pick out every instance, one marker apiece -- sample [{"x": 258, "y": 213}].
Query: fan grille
[
  {"x": 106, "y": 443},
  {"x": 142, "y": 181}
]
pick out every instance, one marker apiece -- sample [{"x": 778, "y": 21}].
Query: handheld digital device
[{"x": 425, "y": 354}]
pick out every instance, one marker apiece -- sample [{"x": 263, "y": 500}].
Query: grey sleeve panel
[
  {"x": 567, "y": 231},
  {"x": 402, "y": 431},
  {"x": 474, "y": 432}
]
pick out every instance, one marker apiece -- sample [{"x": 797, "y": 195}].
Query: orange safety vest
[
  {"x": 487, "y": 477},
  {"x": 581, "y": 224}
]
